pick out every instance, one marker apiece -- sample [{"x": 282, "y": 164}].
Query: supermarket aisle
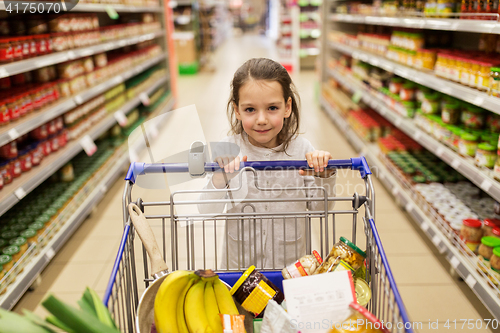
[{"x": 426, "y": 287}]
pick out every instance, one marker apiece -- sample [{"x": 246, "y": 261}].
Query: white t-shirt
[{"x": 276, "y": 236}]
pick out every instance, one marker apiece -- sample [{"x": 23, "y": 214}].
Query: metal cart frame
[{"x": 122, "y": 294}]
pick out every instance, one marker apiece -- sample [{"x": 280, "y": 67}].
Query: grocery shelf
[
  {"x": 36, "y": 265},
  {"x": 457, "y": 260},
  {"x": 482, "y": 178},
  {"x": 483, "y": 26},
  {"x": 427, "y": 79},
  {"x": 94, "y": 7},
  {"x": 18, "y": 128},
  {"x": 14, "y": 192},
  {"x": 63, "y": 56}
]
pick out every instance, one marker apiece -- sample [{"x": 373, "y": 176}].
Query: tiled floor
[{"x": 428, "y": 290}]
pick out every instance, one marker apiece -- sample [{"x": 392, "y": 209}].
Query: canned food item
[
  {"x": 14, "y": 251},
  {"x": 486, "y": 155}
]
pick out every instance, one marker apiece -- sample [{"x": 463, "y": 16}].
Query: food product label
[
  {"x": 317, "y": 256},
  {"x": 343, "y": 266},
  {"x": 258, "y": 298},
  {"x": 6, "y": 53},
  {"x": 296, "y": 270}
]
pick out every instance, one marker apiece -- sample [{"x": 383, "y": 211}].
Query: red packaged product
[
  {"x": 63, "y": 138},
  {"x": 46, "y": 147},
  {"x": 52, "y": 127},
  {"x": 15, "y": 167},
  {"x": 25, "y": 159},
  {"x": 17, "y": 48},
  {"x": 9, "y": 150},
  {"x": 41, "y": 44},
  {"x": 6, "y": 51},
  {"x": 37, "y": 154},
  {"x": 41, "y": 132},
  {"x": 54, "y": 143},
  {"x": 26, "y": 43},
  {"x": 59, "y": 124}
]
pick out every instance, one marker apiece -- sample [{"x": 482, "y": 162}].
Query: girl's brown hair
[{"x": 267, "y": 70}]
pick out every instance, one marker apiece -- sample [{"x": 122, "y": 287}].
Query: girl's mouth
[{"x": 262, "y": 131}]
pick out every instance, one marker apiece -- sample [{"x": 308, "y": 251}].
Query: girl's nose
[{"x": 261, "y": 118}]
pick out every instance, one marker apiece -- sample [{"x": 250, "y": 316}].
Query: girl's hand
[
  {"x": 318, "y": 160},
  {"x": 228, "y": 164}
]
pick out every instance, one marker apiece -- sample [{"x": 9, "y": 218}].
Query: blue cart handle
[{"x": 136, "y": 168}]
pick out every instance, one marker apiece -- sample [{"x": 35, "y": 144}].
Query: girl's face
[{"x": 262, "y": 111}]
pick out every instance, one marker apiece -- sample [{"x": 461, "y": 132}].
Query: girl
[{"x": 263, "y": 111}]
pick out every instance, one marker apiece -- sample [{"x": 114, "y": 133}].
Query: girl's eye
[
  {"x": 249, "y": 109},
  {"x": 273, "y": 108}
]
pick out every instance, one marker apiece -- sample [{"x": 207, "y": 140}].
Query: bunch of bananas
[{"x": 190, "y": 302}]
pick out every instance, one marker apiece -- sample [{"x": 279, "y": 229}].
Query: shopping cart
[{"x": 190, "y": 237}]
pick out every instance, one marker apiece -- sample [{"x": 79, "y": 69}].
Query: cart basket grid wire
[{"x": 184, "y": 237}]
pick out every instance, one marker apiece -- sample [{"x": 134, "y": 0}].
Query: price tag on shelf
[
  {"x": 455, "y": 164},
  {"x": 3, "y": 72},
  {"x": 454, "y": 262},
  {"x": 88, "y": 145},
  {"x": 440, "y": 151},
  {"x": 111, "y": 12},
  {"x": 486, "y": 185},
  {"x": 479, "y": 100},
  {"x": 418, "y": 135},
  {"x": 50, "y": 253},
  {"x": 471, "y": 281},
  {"x": 78, "y": 99},
  {"x": 409, "y": 207},
  {"x": 104, "y": 188},
  {"x": 424, "y": 226},
  {"x": 121, "y": 119},
  {"x": 395, "y": 191},
  {"x": 20, "y": 193},
  {"x": 13, "y": 134},
  {"x": 398, "y": 122},
  {"x": 71, "y": 55},
  {"x": 357, "y": 96},
  {"x": 436, "y": 241},
  {"x": 144, "y": 99}
]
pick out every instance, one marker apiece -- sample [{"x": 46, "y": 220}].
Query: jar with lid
[
  {"x": 343, "y": 251},
  {"x": 430, "y": 103},
  {"x": 41, "y": 44},
  {"x": 471, "y": 233},
  {"x": 467, "y": 145},
  {"x": 473, "y": 117},
  {"x": 450, "y": 113},
  {"x": 14, "y": 105},
  {"x": 494, "y": 88},
  {"x": 305, "y": 266},
  {"x": 474, "y": 73},
  {"x": 25, "y": 159},
  {"x": 407, "y": 91},
  {"x": 454, "y": 68},
  {"x": 4, "y": 112},
  {"x": 465, "y": 70},
  {"x": 495, "y": 260},
  {"x": 25, "y": 44},
  {"x": 486, "y": 155},
  {"x": 485, "y": 250},
  {"x": 489, "y": 225},
  {"x": 9, "y": 150},
  {"x": 395, "y": 85},
  {"x": 6, "y": 262},
  {"x": 15, "y": 167},
  {"x": 17, "y": 48}
]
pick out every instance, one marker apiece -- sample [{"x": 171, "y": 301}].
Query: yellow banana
[
  {"x": 165, "y": 307},
  {"x": 181, "y": 319},
  {"x": 224, "y": 299},
  {"x": 194, "y": 309},
  {"x": 211, "y": 308}
]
